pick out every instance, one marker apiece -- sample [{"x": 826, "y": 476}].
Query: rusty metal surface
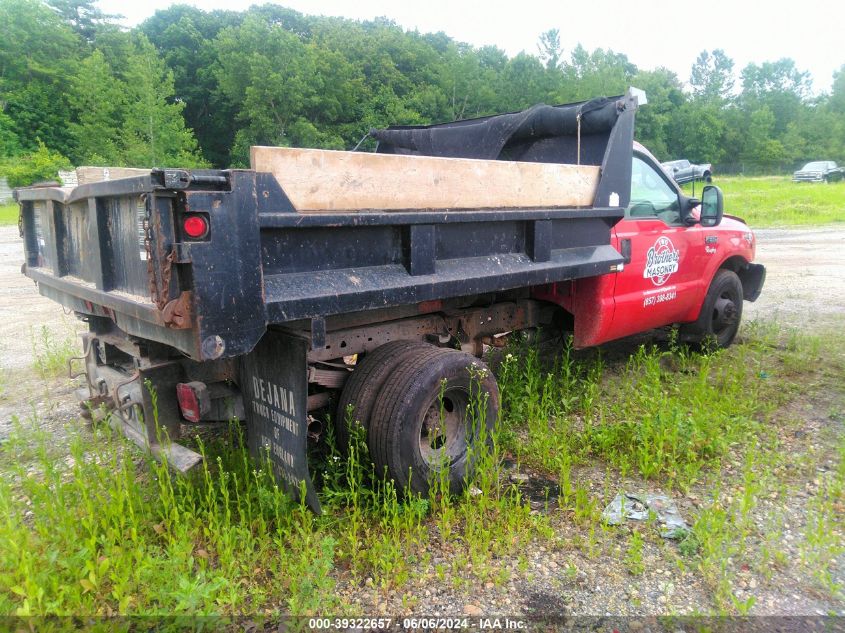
[
  {"x": 158, "y": 276},
  {"x": 331, "y": 378},
  {"x": 177, "y": 312},
  {"x": 469, "y": 326}
]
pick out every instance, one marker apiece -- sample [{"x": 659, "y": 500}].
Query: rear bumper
[
  {"x": 752, "y": 277},
  {"x": 126, "y": 400}
]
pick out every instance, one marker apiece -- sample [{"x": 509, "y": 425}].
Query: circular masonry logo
[{"x": 661, "y": 261}]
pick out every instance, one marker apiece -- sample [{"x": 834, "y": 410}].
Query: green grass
[
  {"x": 99, "y": 534},
  {"x": 667, "y": 413},
  {"x": 682, "y": 419},
  {"x": 777, "y": 201},
  {"x": 9, "y": 214},
  {"x": 51, "y": 353},
  {"x": 104, "y": 531}
]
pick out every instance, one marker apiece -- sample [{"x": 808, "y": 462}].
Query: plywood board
[
  {"x": 88, "y": 175},
  {"x": 324, "y": 181}
]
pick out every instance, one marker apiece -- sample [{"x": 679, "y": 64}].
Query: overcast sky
[{"x": 650, "y": 33}]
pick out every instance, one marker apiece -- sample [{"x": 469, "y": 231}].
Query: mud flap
[
  {"x": 752, "y": 277},
  {"x": 275, "y": 389}
]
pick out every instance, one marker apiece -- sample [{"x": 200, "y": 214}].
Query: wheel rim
[
  {"x": 442, "y": 430},
  {"x": 725, "y": 314}
]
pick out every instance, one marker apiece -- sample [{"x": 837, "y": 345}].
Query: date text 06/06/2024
[{"x": 421, "y": 623}]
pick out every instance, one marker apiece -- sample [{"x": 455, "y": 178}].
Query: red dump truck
[{"x": 321, "y": 281}]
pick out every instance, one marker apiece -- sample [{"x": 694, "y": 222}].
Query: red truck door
[{"x": 663, "y": 279}]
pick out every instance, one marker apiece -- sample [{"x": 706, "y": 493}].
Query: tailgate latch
[{"x": 176, "y": 179}]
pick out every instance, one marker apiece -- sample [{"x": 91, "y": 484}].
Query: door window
[{"x": 651, "y": 195}]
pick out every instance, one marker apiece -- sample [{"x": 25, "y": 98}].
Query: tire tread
[
  {"x": 362, "y": 387},
  {"x": 394, "y": 400}
]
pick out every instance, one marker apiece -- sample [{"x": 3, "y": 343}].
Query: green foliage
[
  {"x": 600, "y": 72},
  {"x": 98, "y": 98},
  {"x": 760, "y": 146},
  {"x": 698, "y": 133},
  {"x": 72, "y": 81},
  {"x": 40, "y": 165},
  {"x": 778, "y": 86},
  {"x": 99, "y": 533},
  {"x": 550, "y": 48},
  {"x": 10, "y": 144},
  {"x": 634, "y": 554},
  {"x": 283, "y": 89},
  {"x": 711, "y": 77},
  {"x": 51, "y": 353},
  {"x": 190, "y": 86},
  {"x": 670, "y": 414},
  {"x": 655, "y": 121},
  {"x": 837, "y": 94},
  {"x": 36, "y": 52},
  {"x": 184, "y": 36},
  {"x": 153, "y": 130},
  {"x": 83, "y": 16}
]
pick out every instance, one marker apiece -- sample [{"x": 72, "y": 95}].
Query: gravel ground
[
  {"x": 22, "y": 310},
  {"x": 805, "y": 288},
  {"x": 805, "y": 277}
]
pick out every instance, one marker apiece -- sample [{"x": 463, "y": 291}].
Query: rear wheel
[
  {"x": 362, "y": 387},
  {"x": 431, "y": 415},
  {"x": 718, "y": 321}
]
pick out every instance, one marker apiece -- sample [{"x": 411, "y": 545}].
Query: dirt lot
[
  {"x": 805, "y": 282},
  {"x": 805, "y": 288},
  {"x": 22, "y": 310}
]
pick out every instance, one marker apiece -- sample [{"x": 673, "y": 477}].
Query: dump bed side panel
[{"x": 350, "y": 263}]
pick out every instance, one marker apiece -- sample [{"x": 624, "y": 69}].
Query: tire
[
  {"x": 362, "y": 387},
  {"x": 721, "y": 312},
  {"x": 402, "y": 440}
]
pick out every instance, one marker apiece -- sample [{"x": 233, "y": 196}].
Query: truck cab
[{"x": 680, "y": 267}]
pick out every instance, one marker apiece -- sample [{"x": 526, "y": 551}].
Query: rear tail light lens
[
  {"x": 193, "y": 400},
  {"x": 195, "y": 226}
]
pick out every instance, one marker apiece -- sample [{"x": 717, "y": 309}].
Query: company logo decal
[{"x": 661, "y": 261}]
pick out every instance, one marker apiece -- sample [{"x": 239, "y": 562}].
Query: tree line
[{"x": 194, "y": 88}]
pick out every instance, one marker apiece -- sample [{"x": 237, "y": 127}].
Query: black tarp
[{"x": 541, "y": 133}]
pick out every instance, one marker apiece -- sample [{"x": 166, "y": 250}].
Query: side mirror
[
  {"x": 712, "y": 206},
  {"x": 688, "y": 205}
]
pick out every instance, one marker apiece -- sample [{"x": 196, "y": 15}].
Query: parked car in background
[
  {"x": 683, "y": 171},
  {"x": 819, "y": 171}
]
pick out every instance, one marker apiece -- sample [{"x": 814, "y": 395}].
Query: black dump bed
[{"x": 116, "y": 250}]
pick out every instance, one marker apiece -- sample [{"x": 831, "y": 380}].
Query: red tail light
[
  {"x": 195, "y": 226},
  {"x": 193, "y": 400}
]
